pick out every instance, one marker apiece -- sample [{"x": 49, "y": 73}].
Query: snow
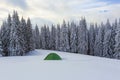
[{"x": 72, "y": 67}]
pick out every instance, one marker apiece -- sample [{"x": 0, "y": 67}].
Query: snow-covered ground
[{"x": 72, "y": 67}]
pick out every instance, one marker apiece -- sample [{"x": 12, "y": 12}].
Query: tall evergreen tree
[
  {"x": 73, "y": 38},
  {"x": 113, "y": 34},
  {"x": 98, "y": 48},
  {"x": 23, "y": 30},
  {"x": 91, "y": 39},
  {"x": 57, "y": 39},
  {"x": 4, "y": 39},
  {"x": 47, "y": 38},
  {"x": 107, "y": 44},
  {"x": 5, "y": 35},
  {"x": 69, "y": 34},
  {"x": 64, "y": 38},
  {"x": 37, "y": 37},
  {"x": 117, "y": 42},
  {"x": 52, "y": 37},
  {"x": 15, "y": 48},
  {"x": 82, "y": 37},
  {"x": 43, "y": 37},
  {"x": 30, "y": 39}
]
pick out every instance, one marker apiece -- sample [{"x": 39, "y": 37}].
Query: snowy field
[{"x": 72, "y": 67}]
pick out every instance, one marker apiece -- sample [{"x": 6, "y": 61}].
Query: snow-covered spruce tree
[
  {"x": 4, "y": 39},
  {"x": 96, "y": 30},
  {"x": 91, "y": 39},
  {"x": 8, "y": 30},
  {"x": 47, "y": 38},
  {"x": 107, "y": 44},
  {"x": 5, "y": 35},
  {"x": 40, "y": 45},
  {"x": 23, "y": 34},
  {"x": 57, "y": 39},
  {"x": 30, "y": 38},
  {"x": 43, "y": 44},
  {"x": 117, "y": 42},
  {"x": 64, "y": 42},
  {"x": 98, "y": 47},
  {"x": 52, "y": 38},
  {"x": 113, "y": 34},
  {"x": 15, "y": 36},
  {"x": 82, "y": 37},
  {"x": 37, "y": 37},
  {"x": 73, "y": 38},
  {"x": 69, "y": 33},
  {"x": 15, "y": 47}
]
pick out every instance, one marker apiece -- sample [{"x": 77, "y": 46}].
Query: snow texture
[{"x": 72, "y": 67}]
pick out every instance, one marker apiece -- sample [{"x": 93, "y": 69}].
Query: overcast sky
[{"x": 54, "y": 11}]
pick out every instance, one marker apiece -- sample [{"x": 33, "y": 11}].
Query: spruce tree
[
  {"x": 64, "y": 38},
  {"x": 52, "y": 37},
  {"x": 73, "y": 38},
  {"x": 91, "y": 39},
  {"x": 57, "y": 38},
  {"x": 47, "y": 38},
  {"x": 15, "y": 48},
  {"x": 82, "y": 37},
  {"x": 117, "y": 42},
  {"x": 98, "y": 47},
  {"x": 37, "y": 37},
  {"x": 107, "y": 44},
  {"x": 30, "y": 39},
  {"x": 23, "y": 35}
]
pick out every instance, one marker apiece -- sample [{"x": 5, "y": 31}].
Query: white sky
[{"x": 54, "y": 11}]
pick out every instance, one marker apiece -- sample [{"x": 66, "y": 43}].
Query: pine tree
[
  {"x": 5, "y": 35},
  {"x": 73, "y": 38},
  {"x": 37, "y": 37},
  {"x": 107, "y": 44},
  {"x": 69, "y": 34},
  {"x": 98, "y": 48},
  {"x": 43, "y": 37},
  {"x": 47, "y": 38},
  {"x": 91, "y": 39},
  {"x": 117, "y": 42},
  {"x": 113, "y": 34},
  {"x": 64, "y": 38},
  {"x": 30, "y": 39},
  {"x": 40, "y": 45},
  {"x": 57, "y": 39},
  {"x": 23, "y": 35},
  {"x": 15, "y": 48},
  {"x": 16, "y": 36},
  {"x": 52, "y": 37},
  {"x": 83, "y": 37},
  {"x": 4, "y": 39}
]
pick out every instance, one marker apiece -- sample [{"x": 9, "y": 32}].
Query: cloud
[
  {"x": 19, "y": 3},
  {"x": 54, "y": 11},
  {"x": 40, "y": 21},
  {"x": 103, "y": 11},
  {"x": 111, "y": 1}
]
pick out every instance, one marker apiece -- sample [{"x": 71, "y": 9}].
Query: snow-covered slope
[{"x": 72, "y": 67}]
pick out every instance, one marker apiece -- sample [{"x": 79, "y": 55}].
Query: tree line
[
  {"x": 18, "y": 37},
  {"x": 97, "y": 40}
]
